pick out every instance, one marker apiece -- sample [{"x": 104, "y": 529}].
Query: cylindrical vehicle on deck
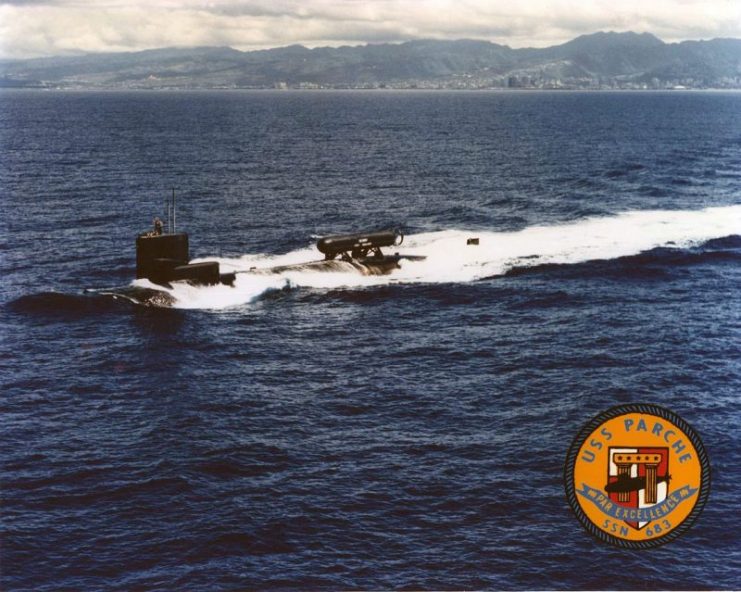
[{"x": 358, "y": 245}]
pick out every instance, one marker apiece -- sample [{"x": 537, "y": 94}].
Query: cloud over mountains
[{"x": 32, "y": 28}]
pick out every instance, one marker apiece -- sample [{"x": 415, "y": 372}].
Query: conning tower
[{"x": 163, "y": 256}]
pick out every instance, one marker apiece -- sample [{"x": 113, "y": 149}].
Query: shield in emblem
[{"x": 638, "y": 478}]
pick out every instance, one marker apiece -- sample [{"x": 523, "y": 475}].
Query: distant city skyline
[{"x": 35, "y": 28}]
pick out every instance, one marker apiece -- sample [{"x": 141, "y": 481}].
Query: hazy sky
[{"x": 30, "y": 28}]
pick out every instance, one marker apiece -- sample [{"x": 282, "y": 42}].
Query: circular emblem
[{"x": 637, "y": 476}]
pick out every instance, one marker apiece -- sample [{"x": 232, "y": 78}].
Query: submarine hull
[
  {"x": 137, "y": 295},
  {"x": 363, "y": 265}
]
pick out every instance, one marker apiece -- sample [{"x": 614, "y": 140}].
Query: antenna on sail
[
  {"x": 173, "y": 209},
  {"x": 167, "y": 214}
]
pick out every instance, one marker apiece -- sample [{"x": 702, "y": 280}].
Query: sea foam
[{"x": 450, "y": 259}]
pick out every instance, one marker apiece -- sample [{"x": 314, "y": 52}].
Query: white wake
[{"x": 450, "y": 259}]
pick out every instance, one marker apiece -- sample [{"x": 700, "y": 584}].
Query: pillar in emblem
[
  {"x": 651, "y": 490},
  {"x": 623, "y": 462}
]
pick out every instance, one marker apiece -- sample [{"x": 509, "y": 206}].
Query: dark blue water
[{"x": 403, "y": 435}]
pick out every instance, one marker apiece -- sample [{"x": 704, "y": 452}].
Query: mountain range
[{"x": 599, "y": 60}]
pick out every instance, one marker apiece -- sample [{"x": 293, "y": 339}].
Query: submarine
[
  {"x": 626, "y": 484},
  {"x": 163, "y": 258}
]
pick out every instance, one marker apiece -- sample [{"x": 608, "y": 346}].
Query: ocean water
[{"x": 330, "y": 431}]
